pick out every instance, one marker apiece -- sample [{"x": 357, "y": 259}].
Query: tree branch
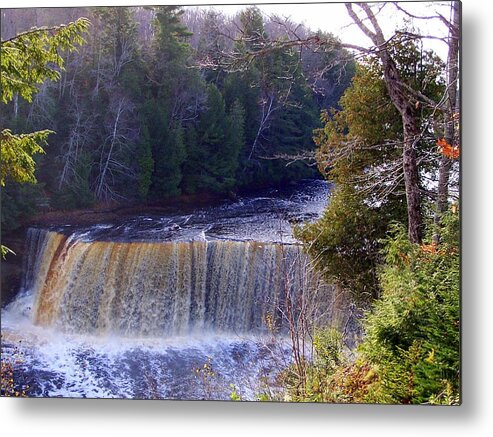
[
  {"x": 421, "y": 17},
  {"x": 359, "y": 22}
]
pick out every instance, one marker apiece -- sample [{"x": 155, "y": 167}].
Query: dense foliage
[
  {"x": 410, "y": 350},
  {"x": 359, "y": 151},
  {"x": 410, "y": 346},
  {"x": 141, "y": 118},
  {"x": 27, "y": 60}
]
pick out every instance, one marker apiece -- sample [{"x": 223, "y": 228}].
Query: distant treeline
[{"x": 145, "y": 112}]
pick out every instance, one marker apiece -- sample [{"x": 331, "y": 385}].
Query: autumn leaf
[{"x": 447, "y": 150}]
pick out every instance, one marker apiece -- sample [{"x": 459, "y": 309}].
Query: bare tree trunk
[
  {"x": 16, "y": 104},
  {"x": 442, "y": 194},
  {"x": 98, "y": 74},
  {"x": 411, "y": 181},
  {"x": 411, "y": 132},
  {"x": 266, "y": 115},
  {"x": 403, "y": 103},
  {"x": 104, "y": 170}
]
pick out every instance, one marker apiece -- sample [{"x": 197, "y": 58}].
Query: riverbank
[{"x": 104, "y": 212}]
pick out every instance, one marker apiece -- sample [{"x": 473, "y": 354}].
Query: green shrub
[
  {"x": 412, "y": 335},
  {"x": 410, "y": 351}
]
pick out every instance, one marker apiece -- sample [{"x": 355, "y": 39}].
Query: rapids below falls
[{"x": 183, "y": 306}]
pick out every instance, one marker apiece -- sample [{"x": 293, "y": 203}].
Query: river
[{"x": 190, "y": 305}]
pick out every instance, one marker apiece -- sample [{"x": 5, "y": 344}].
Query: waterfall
[{"x": 162, "y": 289}]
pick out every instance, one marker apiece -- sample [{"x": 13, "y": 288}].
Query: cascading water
[
  {"x": 127, "y": 317},
  {"x": 161, "y": 289}
]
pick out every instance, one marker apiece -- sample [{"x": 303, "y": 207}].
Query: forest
[
  {"x": 147, "y": 106},
  {"x": 141, "y": 115}
]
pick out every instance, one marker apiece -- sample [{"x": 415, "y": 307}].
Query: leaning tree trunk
[
  {"x": 404, "y": 103},
  {"x": 412, "y": 136}
]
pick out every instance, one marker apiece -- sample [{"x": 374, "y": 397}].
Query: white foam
[{"x": 69, "y": 365}]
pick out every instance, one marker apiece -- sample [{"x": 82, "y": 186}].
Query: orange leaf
[{"x": 447, "y": 150}]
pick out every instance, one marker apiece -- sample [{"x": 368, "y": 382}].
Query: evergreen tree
[
  {"x": 236, "y": 139},
  {"x": 168, "y": 152},
  {"x": 360, "y": 150},
  {"x": 174, "y": 92},
  {"x": 146, "y": 164},
  {"x": 27, "y": 60},
  {"x": 169, "y": 155},
  {"x": 213, "y": 160}
]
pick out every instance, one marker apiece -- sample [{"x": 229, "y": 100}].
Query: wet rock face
[
  {"x": 11, "y": 280},
  {"x": 11, "y": 268}
]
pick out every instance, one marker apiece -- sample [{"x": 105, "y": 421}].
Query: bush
[
  {"x": 413, "y": 333},
  {"x": 410, "y": 352}
]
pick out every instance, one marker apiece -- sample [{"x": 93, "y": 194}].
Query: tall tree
[
  {"x": 360, "y": 152},
  {"x": 213, "y": 160},
  {"x": 363, "y": 135},
  {"x": 405, "y": 102},
  {"x": 175, "y": 98},
  {"x": 408, "y": 102}
]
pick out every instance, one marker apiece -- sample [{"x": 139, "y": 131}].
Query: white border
[{"x": 52, "y": 417}]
